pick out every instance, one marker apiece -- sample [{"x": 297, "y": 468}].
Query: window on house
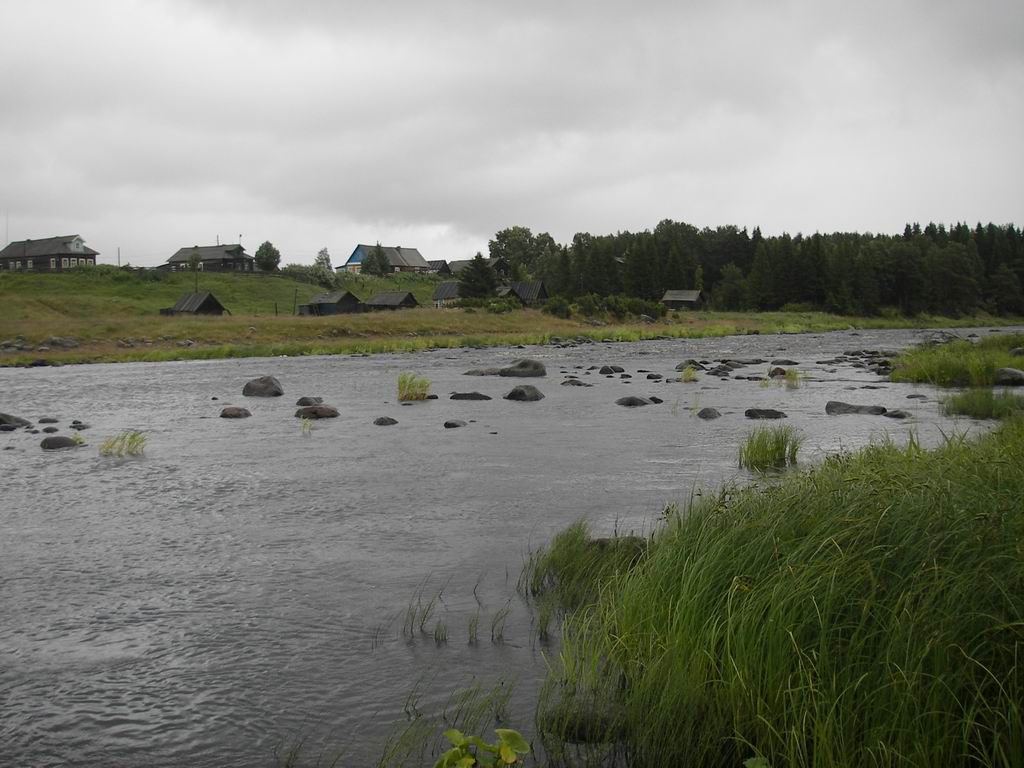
[
  {"x": 53, "y": 263},
  {"x": 64, "y": 263},
  {"x": 28, "y": 264}
]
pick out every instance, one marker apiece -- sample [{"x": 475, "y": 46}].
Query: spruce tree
[
  {"x": 477, "y": 279},
  {"x": 376, "y": 262}
]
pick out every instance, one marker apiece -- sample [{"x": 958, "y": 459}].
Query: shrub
[
  {"x": 770, "y": 447},
  {"x": 558, "y": 306},
  {"x": 412, "y": 387}
]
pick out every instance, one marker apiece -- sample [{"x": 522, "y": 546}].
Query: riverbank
[{"x": 869, "y": 611}]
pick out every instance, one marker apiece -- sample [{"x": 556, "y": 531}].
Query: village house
[
  {"x": 439, "y": 267},
  {"x": 401, "y": 259},
  {"x": 683, "y": 300},
  {"x": 528, "y": 294},
  {"x": 392, "y": 300},
  {"x": 212, "y": 258},
  {"x": 51, "y": 254},
  {"x": 337, "y": 303},
  {"x": 445, "y": 294},
  {"x": 500, "y": 266},
  {"x": 203, "y": 303}
]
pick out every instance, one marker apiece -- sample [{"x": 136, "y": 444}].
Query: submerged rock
[
  {"x": 234, "y": 412},
  {"x": 14, "y": 421},
  {"x": 48, "y": 420},
  {"x": 525, "y": 393},
  {"x": 763, "y": 413},
  {"x": 633, "y": 401},
  {"x": 58, "y": 442},
  {"x": 469, "y": 396},
  {"x": 50, "y": 430},
  {"x": 385, "y": 421},
  {"x": 483, "y": 372},
  {"x": 317, "y": 412},
  {"x": 524, "y": 368},
  {"x": 1009, "y": 377},
  {"x": 264, "y": 386},
  {"x": 304, "y": 401},
  {"x": 836, "y": 408},
  {"x": 708, "y": 414},
  {"x": 454, "y": 424},
  {"x": 575, "y": 383},
  {"x": 896, "y": 414}
]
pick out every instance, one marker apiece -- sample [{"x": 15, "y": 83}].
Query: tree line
[{"x": 934, "y": 269}]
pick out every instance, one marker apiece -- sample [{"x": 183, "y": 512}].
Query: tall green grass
[
  {"x": 867, "y": 613},
  {"x": 131, "y": 443},
  {"x": 412, "y": 387},
  {"x": 770, "y": 448},
  {"x": 959, "y": 363},
  {"x": 983, "y": 404}
]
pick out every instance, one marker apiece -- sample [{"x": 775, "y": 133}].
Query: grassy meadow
[{"x": 114, "y": 316}]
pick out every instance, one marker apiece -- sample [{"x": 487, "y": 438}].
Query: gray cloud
[{"x": 311, "y": 123}]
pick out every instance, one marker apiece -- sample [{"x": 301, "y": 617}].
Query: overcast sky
[{"x": 154, "y": 124}]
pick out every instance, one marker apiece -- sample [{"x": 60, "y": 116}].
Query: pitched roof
[
  {"x": 446, "y": 291},
  {"x": 390, "y": 299},
  {"x": 681, "y": 296},
  {"x": 47, "y": 246},
  {"x": 209, "y": 253},
  {"x": 331, "y": 298},
  {"x": 529, "y": 292},
  {"x": 461, "y": 264},
  {"x": 437, "y": 264},
  {"x": 192, "y": 302},
  {"x": 397, "y": 256}
]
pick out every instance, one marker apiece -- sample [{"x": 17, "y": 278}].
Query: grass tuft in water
[
  {"x": 983, "y": 404},
  {"x": 129, "y": 443},
  {"x": 412, "y": 387},
  {"x": 792, "y": 378},
  {"x": 770, "y": 448},
  {"x": 688, "y": 374},
  {"x": 959, "y": 363}
]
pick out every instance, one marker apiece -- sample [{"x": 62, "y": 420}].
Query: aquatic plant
[
  {"x": 983, "y": 404},
  {"x": 792, "y": 378},
  {"x": 688, "y": 374},
  {"x": 440, "y": 633},
  {"x": 498, "y": 623},
  {"x": 468, "y": 751},
  {"x": 412, "y": 387},
  {"x": 306, "y": 426},
  {"x": 473, "y": 628},
  {"x": 770, "y": 447},
  {"x": 959, "y": 363},
  {"x": 131, "y": 443},
  {"x": 867, "y": 612}
]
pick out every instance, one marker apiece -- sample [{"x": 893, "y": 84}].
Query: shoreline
[{"x": 412, "y": 331}]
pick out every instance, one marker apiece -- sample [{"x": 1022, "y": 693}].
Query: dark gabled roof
[
  {"x": 193, "y": 302},
  {"x": 461, "y": 264},
  {"x": 390, "y": 299},
  {"x": 681, "y": 296},
  {"x": 437, "y": 264},
  {"x": 332, "y": 298},
  {"x": 529, "y": 292},
  {"x": 48, "y": 246},
  {"x": 397, "y": 255},
  {"x": 446, "y": 291},
  {"x": 209, "y": 253}
]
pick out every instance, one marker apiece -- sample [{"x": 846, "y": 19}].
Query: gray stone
[
  {"x": 575, "y": 383},
  {"x": 1017, "y": 352},
  {"x": 707, "y": 414},
  {"x": 57, "y": 442},
  {"x": 385, "y": 421},
  {"x": 689, "y": 364},
  {"x": 525, "y": 393},
  {"x": 784, "y": 361},
  {"x": 317, "y": 412},
  {"x": 916, "y": 397},
  {"x": 48, "y": 420},
  {"x": 14, "y": 421},
  {"x": 483, "y": 372},
  {"x": 303, "y": 401},
  {"x": 763, "y": 413},
  {"x": 633, "y": 401},
  {"x": 454, "y": 424},
  {"x": 50, "y": 430},
  {"x": 775, "y": 373},
  {"x": 469, "y": 396},
  {"x": 836, "y": 408},
  {"x": 264, "y": 386},
  {"x": 78, "y": 426},
  {"x": 234, "y": 412},
  {"x": 654, "y": 376},
  {"x": 896, "y": 414},
  {"x": 524, "y": 368},
  {"x": 1009, "y": 377}
]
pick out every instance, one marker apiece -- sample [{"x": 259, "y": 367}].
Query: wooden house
[
  {"x": 212, "y": 258},
  {"x": 683, "y": 300},
  {"x": 439, "y": 267},
  {"x": 392, "y": 300},
  {"x": 203, "y": 303},
  {"x": 528, "y": 294},
  {"x": 445, "y": 294},
  {"x": 51, "y": 254},
  {"x": 500, "y": 267},
  {"x": 401, "y": 259},
  {"x": 337, "y": 303}
]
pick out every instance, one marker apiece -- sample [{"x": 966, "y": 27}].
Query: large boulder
[
  {"x": 264, "y": 386},
  {"x": 469, "y": 396},
  {"x": 59, "y": 442},
  {"x": 524, "y": 368},
  {"x": 1009, "y": 377},
  {"x": 689, "y": 364},
  {"x": 317, "y": 412},
  {"x": 234, "y": 412},
  {"x": 13, "y": 421},
  {"x": 483, "y": 372},
  {"x": 708, "y": 414},
  {"x": 632, "y": 401},
  {"x": 836, "y": 408},
  {"x": 763, "y": 413},
  {"x": 304, "y": 401},
  {"x": 525, "y": 393},
  {"x": 1017, "y": 352}
]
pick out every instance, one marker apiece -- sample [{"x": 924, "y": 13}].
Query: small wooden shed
[
  {"x": 683, "y": 300},
  {"x": 445, "y": 294},
  {"x": 203, "y": 303},
  {"x": 392, "y": 300},
  {"x": 336, "y": 303},
  {"x": 528, "y": 294}
]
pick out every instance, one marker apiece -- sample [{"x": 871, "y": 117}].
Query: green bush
[{"x": 558, "y": 306}]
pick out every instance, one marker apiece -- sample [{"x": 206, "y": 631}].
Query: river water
[{"x": 243, "y": 586}]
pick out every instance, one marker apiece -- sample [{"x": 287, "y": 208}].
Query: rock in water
[
  {"x": 234, "y": 412},
  {"x": 303, "y": 401},
  {"x": 57, "y": 442},
  {"x": 633, "y": 401},
  {"x": 469, "y": 396},
  {"x": 1009, "y": 377},
  {"x": 264, "y": 386},
  {"x": 13, "y": 421},
  {"x": 763, "y": 413},
  {"x": 385, "y": 421},
  {"x": 896, "y": 414},
  {"x": 317, "y": 412},
  {"x": 454, "y": 424},
  {"x": 524, "y": 368},
  {"x": 525, "y": 393},
  {"x": 836, "y": 408},
  {"x": 707, "y": 414}
]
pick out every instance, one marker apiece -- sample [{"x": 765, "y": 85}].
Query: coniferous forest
[{"x": 956, "y": 271}]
